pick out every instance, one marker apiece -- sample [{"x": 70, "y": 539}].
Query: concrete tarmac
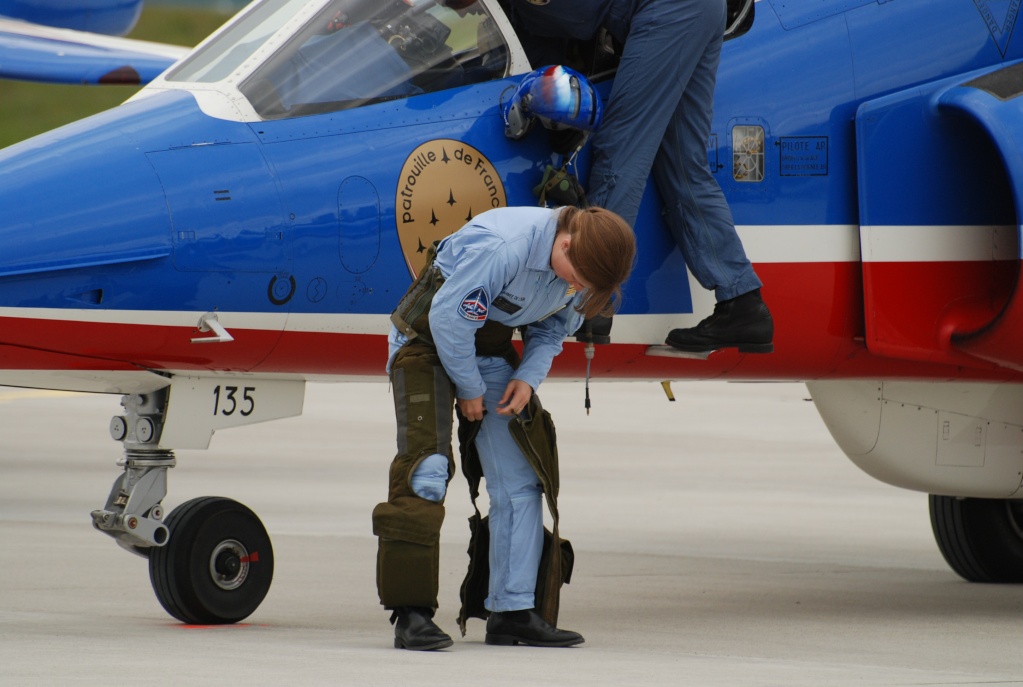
[{"x": 720, "y": 540}]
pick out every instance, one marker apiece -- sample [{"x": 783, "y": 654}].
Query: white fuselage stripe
[
  {"x": 771, "y": 244},
  {"x": 786, "y": 243},
  {"x": 156, "y": 318},
  {"x": 939, "y": 243}
]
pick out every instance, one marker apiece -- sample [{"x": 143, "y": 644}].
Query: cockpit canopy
[
  {"x": 350, "y": 53},
  {"x": 290, "y": 58}
]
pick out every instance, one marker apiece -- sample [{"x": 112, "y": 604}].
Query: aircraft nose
[{"x": 79, "y": 196}]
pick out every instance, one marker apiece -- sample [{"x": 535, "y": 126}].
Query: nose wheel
[{"x": 217, "y": 565}]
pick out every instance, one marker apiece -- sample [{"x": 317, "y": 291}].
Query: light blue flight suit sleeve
[
  {"x": 543, "y": 342},
  {"x": 476, "y": 265}
]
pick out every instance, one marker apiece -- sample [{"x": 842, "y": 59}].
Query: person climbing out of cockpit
[{"x": 658, "y": 120}]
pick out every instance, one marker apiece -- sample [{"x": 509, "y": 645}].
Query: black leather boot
[
  {"x": 527, "y": 627},
  {"x": 743, "y": 322},
  {"x": 415, "y": 630}
]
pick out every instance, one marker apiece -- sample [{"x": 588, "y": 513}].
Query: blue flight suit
[
  {"x": 658, "y": 120},
  {"x": 498, "y": 267}
]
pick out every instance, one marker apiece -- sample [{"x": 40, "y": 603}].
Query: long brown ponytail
[{"x": 602, "y": 252}]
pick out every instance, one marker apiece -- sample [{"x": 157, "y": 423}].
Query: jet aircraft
[
  {"x": 244, "y": 225},
  {"x": 77, "y": 41}
]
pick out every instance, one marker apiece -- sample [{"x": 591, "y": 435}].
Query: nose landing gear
[{"x": 210, "y": 560}]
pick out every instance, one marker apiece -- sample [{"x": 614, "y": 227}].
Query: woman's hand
[
  {"x": 471, "y": 408},
  {"x": 516, "y": 397}
]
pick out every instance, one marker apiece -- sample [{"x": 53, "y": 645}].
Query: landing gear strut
[{"x": 133, "y": 513}]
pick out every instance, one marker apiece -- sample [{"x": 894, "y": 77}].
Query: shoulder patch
[{"x": 475, "y": 305}]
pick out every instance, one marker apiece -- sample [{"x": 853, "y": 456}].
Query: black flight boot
[
  {"x": 416, "y": 631},
  {"x": 743, "y": 322},
  {"x": 527, "y": 627}
]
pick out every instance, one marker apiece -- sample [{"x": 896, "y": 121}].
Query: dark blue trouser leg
[{"x": 658, "y": 120}]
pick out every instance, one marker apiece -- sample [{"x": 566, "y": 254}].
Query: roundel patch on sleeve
[{"x": 475, "y": 305}]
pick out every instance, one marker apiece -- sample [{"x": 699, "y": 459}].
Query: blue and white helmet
[{"x": 559, "y": 97}]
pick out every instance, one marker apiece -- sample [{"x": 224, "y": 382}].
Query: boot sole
[
  {"x": 510, "y": 640},
  {"x": 439, "y": 644},
  {"x": 743, "y": 347}
]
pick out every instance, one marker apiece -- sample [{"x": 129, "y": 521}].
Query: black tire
[
  {"x": 217, "y": 565},
  {"x": 981, "y": 539}
]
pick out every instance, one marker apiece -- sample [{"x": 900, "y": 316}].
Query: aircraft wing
[{"x": 29, "y": 52}]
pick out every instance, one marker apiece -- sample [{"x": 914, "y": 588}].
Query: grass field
[{"x": 27, "y": 109}]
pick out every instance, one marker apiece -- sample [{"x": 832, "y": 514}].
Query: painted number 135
[{"x": 226, "y": 400}]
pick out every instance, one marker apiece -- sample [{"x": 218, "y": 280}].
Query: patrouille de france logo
[{"x": 444, "y": 183}]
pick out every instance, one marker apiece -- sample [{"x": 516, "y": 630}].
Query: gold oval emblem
[{"x": 444, "y": 183}]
